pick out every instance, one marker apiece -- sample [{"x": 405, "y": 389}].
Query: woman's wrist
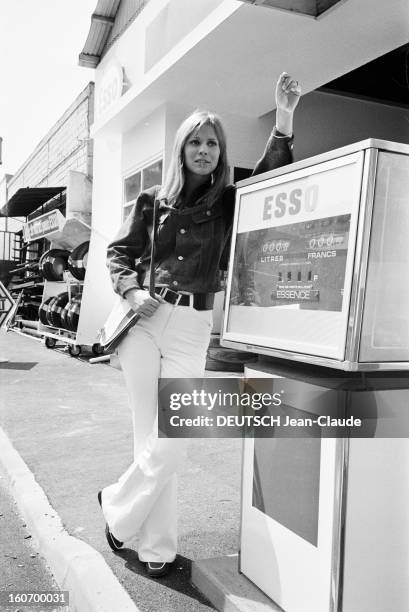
[
  {"x": 130, "y": 291},
  {"x": 284, "y": 121},
  {"x": 132, "y": 295}
]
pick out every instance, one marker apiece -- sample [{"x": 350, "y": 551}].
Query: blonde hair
[{"x": 176, "y": 177}]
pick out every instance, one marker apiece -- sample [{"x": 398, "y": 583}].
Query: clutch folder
[{"x": 119, "y": 321}]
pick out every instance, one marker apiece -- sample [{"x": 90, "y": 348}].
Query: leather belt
[{"x": 199, "y": 301}]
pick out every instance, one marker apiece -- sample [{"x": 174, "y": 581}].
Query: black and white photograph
[{"x": 204, "y": 306}]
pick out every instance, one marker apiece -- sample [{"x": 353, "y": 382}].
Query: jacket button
[
  {"x": 174, "y": 283},
  {"x": 208, "y": 213},
  {"x": 182, "y": 231},
  {"x": 180, "y": 258}
]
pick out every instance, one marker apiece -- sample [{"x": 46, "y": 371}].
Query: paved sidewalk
[{"x": 69, "y": 422}]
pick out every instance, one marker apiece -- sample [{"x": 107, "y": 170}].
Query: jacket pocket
[{"x": 206, "y": 216}]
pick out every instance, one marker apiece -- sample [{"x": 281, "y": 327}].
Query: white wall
[
  {"x": 98, "y": 295},
  {"x": 175, "y": 21},
  {"x": 144, "y": 142},
  {"x": 153, "y": 33},
  {"x": 327, "y": 121},
  {"x": 175, "y": 114}
]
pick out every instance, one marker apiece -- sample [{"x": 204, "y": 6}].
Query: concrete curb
[{"x": 77, "y": 567}]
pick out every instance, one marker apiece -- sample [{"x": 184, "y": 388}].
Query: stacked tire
[
  {"x": 55, "y": 309},
  {"x": 77, "y": 261},
  {"x": 55, "y": 262},
  {"x": 61, "y": 312},
  {"x": 73, "y": 313},
  {"x": 43, "y": 311},
  {"x": 64, "y": 315}
]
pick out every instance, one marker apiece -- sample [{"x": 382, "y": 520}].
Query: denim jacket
[{"x": 191, "y": 240}]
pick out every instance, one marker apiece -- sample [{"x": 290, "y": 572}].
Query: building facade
[{"x": 158, "y": 60}]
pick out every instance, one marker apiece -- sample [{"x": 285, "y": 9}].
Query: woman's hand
[
  {"x": 141, "y": 302},
  {"x": 288, "y": 92}
]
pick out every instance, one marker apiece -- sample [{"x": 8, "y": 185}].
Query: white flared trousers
[{"x": 170, "y": 344}]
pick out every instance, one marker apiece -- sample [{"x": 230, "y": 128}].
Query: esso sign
[
  {"x": 290, "y": 202},
  {"x": 110, "y": 89}
]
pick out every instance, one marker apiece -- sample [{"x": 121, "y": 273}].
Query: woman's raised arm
[{"x": 278, "y": 151}]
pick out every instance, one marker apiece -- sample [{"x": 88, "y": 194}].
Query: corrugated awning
[
  {"x": 27, "y": 199},
  {"x": 102, "y": 21},
  {"x": 108, "y": 22}
]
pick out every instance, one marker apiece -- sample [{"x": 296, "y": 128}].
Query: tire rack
[
  {"x": 73, "y": 286},
  {"x": 78, "y": 233},
  {"x": 53, "y": 334}
]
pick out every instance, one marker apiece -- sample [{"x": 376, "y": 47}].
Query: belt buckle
[
  {"x": 166, "y": 290},
  {"x": 190, "y": 296}
]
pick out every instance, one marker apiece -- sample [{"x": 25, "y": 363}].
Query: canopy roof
[{"x": 28, "y": 199}]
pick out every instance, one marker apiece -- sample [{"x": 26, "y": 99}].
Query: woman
[{"x": 171, "y": 338}]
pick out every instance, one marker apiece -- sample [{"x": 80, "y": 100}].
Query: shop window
[
  {"x": 142, "y": 179},
  {"x": 132, "y": 187},
  {"x": 299, "y": 276},
  {"x": 309, "y": 275},
  {"x": 289, "y": 276},
  {"x": 280, "y": 277}
]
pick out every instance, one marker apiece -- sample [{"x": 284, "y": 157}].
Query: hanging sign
[
  {"x": 45, "y": 226},
  {"x": 110, "y": 88}
]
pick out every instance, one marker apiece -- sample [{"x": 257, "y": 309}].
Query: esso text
[{"x": 290, "y": 202}]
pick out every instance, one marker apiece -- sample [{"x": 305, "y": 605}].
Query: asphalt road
[
  {"x": 82, "y": 442},
  {"x": 21, "y": 568}
]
